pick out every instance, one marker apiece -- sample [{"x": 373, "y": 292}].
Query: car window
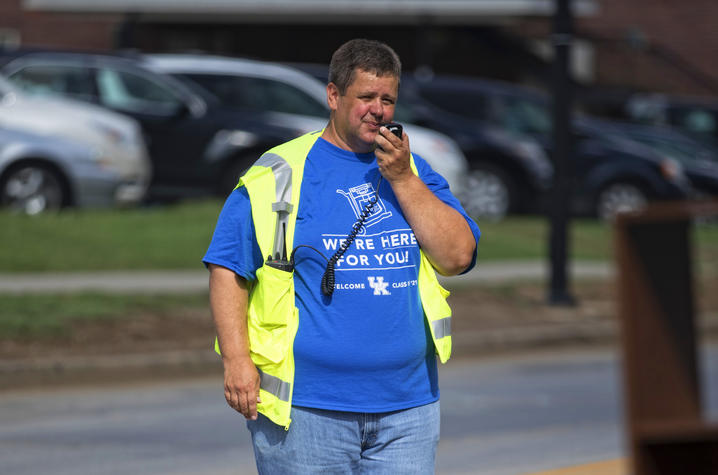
[
  {"x": 403, "y": 113},
  {"x": 73, "y": 81},
  {"x": 282, "y": 97},
  {"x": 523, "y": 117},
  {"x": 697, "y": 120},
  {"x": 458, "y": 102},
  {"x": 259, "y": 94},
  {"x": 135, "y": 93}
]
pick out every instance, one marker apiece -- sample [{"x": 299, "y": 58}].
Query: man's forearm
[
  {"x": 442, "y": 232},
  {"x": 228, "y": 296}
]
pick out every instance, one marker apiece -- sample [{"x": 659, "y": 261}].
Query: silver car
[{"x": 57, "y": 153}]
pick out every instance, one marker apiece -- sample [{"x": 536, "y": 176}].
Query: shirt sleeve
[
  {"x": 234, "y": 244},
  {"x": 440, "y": 187}
]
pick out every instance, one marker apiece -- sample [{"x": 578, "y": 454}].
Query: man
[{"x": 344, "y": 379}]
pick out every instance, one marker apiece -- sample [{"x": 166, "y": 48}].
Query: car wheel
[
  {"x": 620, "y": 197},
  {"x": 32, "y": 189},
  {"x": 489, "y": 193}
]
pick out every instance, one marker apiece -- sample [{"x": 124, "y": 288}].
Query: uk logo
[
  {"x": 359, "y": 197},
  {"x": 379, "y": 286}
]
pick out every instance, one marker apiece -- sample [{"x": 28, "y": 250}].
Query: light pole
[{"x": 561, "y": 136}]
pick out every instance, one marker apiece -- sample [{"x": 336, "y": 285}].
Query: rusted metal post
[{"x": 666, "y": 432}]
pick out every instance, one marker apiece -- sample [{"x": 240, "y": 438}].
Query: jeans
[{"x": 336, "y": 442}]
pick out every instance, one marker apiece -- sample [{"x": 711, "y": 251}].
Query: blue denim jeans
[{"x": 336, "y": 442}]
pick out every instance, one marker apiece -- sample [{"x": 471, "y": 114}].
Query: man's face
[{"x": 367, "y": 103}]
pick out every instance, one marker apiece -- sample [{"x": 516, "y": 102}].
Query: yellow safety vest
[{"x": 273, "y": 184}]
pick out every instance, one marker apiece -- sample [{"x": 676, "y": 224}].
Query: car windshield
[
  {"x": 458, "y": 102},
  {"x": 54, "y": 79},
  {"x": 259, "y": 94},
  {"x": 522, "y": 116},
  {"x": 516, "y": 114},
  {"x": 132, "y": 92},
  {"x": 696, "y": 119}
]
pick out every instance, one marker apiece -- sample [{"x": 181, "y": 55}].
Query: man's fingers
[
  {"x": 244, "y": 402},
  {"x": 244, "y": 405},
  {"x": 252, "y": 407},
  {"x": 232, "y": 399}
]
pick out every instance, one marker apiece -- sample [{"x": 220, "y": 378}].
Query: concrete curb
[{"x": 183, "y": 281}]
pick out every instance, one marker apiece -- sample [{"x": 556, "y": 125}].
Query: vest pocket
[
  {"x": 272, "y": 302},
  {"x": 271, "y": 306},
  {"x": 267, "y": 346}
]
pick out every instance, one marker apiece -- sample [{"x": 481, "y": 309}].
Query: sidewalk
[
  {"x": 57, "y": 369},
  {"x": 183, "y": 281}
]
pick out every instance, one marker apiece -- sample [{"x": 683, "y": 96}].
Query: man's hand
[
  {"x": 241, "y": 386},
  {"x": 228, "y": 297},
  {"x": 392, "y": 156},
  {"x": 443, "y": 234}
]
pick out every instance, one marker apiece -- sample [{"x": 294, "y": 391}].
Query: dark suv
[
  {"x": 196, "y": 145},
  {"x": 609, "y": 175}
]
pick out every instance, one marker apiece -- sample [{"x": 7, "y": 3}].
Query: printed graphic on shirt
[
  {"x": 359, "y": 197},
  {"x": 379, "y": 286},
  {"x": 385, "y": 250}
]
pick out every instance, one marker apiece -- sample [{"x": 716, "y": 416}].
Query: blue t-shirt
[{"x": 367, "y": 347}]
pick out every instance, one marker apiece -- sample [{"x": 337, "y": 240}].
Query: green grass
[
  {"x": 37, "y": 316},
  {"x": 176, "y": 237},
  {"x": 167, "y": 237},
  {"x": 525, "y": 238}
]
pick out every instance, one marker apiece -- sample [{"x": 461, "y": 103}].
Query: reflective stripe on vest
[
  {"x": 441, "y": 327},
  {"x": 275, "y": 386},
  {"x": 282, "y": 172}
]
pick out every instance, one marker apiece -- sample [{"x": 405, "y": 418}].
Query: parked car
[
  {"x": 695, "y": 116},
  {"x": 506, "y": 173},
  {"x": 40, "y": 173},
  {"x": 114, "y": 142},
  {"x": 197, "y": 145},
  {"x": 614, "y": 173},
  {"x": 291, "y": 98},
  {"x": 609, "y": 175},
  {"x": 698, "y": 160}
]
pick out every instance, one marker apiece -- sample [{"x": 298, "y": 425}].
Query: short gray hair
[{"x": 368, "y": 55}]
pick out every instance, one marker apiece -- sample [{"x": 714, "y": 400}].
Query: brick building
[{"x": 638, "y": 45}]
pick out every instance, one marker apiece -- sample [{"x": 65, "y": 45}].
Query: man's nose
[{"x": 377, "y": 108}]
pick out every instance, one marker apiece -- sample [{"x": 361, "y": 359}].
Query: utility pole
[{"x": 559, "y": 212}]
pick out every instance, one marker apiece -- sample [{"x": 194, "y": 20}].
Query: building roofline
[{"x": 389, "y": 11}]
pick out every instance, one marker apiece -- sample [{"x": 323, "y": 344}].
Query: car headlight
[
  {"x": 112, "y": 135},
  {"x": 672, "y": 170}
]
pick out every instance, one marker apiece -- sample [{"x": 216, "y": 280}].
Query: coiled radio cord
[{"x": 328, "y": 277}]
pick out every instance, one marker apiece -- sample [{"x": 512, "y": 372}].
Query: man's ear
[{"x": 332, "y": 96}]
